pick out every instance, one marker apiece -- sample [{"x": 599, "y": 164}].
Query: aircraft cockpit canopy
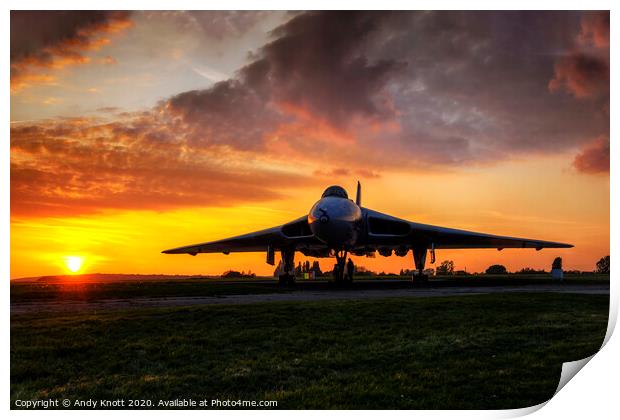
[{"x": 335, "y": 191}]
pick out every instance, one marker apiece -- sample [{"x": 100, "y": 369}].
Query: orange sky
[
  {"x": 541, "y": 204},
  {"x": 136, "y": 147}
]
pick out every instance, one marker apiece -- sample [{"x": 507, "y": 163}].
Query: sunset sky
[{"x": 134, "y": 132}]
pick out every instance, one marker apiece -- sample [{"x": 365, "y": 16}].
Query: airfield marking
[{"x": 294, "y": 296}]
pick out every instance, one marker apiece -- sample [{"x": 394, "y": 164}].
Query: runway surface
[{"x": 295, "y": 296}]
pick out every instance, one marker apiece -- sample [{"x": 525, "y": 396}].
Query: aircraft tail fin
[{"x": 358, "y": 196}]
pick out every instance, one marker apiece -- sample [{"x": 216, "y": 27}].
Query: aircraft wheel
[
  {"x": 283, "y": 280},
  {"x": 291, "y": 281},
  {"x": 420, "y": 280},
  {"x": 286, "y": 280}
]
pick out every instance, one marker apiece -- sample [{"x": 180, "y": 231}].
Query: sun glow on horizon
[{"x": 74, "y": 263}]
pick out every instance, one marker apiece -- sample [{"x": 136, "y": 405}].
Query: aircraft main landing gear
[
  {"x": 287, "y": 278},
  {"x": 419, "y": 259}
]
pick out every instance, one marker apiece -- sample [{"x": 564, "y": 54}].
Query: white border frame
[{"x": 592, "y": 393}]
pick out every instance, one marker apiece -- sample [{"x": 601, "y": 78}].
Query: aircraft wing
[
  {"x": 388, "y": 231},
  {"x": 293, "y": 234}
]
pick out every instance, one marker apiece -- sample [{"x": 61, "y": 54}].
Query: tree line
[{"x": 446, "y": 267}]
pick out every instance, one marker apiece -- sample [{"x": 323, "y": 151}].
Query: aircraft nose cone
[{"x": 334, "y": 220}]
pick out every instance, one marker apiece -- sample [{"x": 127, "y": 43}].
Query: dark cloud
[
  {"x": 476, "y": 87},
  {"x": 228, "y": 113},
  {"x": 54, "y": 39},
  {"x": 594, "y": 158},
  {"x": 584, "y": 71},
  {"x": 358, "y": 93},
  {"x": 582, "y": 75},
  {"x": 314, "y": 69},
  {"x": 595, "y": 29},
  {"x": 318, "y": 63},
  {"x": 440, "y": 87}
]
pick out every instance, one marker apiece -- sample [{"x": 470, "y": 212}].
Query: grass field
[
  {"x": 93, "y": 290},
  {"x": 471, "y": 352},
  {"x": 35, "y": 291}
]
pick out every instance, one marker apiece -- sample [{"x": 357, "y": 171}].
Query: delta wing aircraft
[{"x": 337, "y": 225}]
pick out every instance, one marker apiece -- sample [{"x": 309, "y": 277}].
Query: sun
[{"x": 74, "y": 263}]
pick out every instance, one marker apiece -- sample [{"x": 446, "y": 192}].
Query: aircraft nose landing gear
[{"x": 340, "y": 277}]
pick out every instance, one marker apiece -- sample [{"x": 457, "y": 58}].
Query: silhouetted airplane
[{"x": 336, "y": 226}]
